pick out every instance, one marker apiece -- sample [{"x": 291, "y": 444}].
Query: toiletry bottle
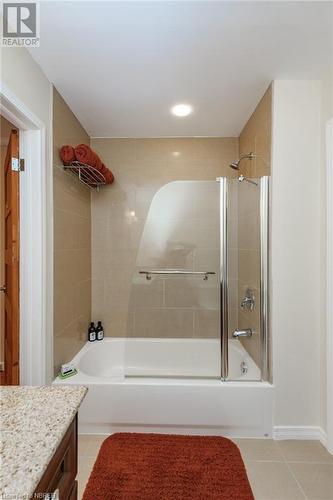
[
  {"x": 92, "y": 332},
  {"x": 99, "y": 331}
]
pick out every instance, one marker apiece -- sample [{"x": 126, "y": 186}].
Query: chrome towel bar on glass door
[{"x": 149, "y": 272}]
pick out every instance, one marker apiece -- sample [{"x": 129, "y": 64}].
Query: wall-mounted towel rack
[
  {"x": 88, "y": 175},
  {"x": 149, "y": 272}
]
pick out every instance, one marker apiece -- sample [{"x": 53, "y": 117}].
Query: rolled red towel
[
  {"x": 98, "y": 162},
  {"x": 84, "y": 154},
  {"x": 105, "y": 172},
  {"x": 103, "y": 169},
  {"x": 67, "y": 154},
  {"x": 109, "y": 178}
]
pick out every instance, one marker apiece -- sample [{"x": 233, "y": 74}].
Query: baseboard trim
[
  {"x": 300, "y": 432},
  {"x": 227, "y": 431}
]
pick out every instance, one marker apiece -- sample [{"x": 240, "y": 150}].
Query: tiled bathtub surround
[
  {"x": 255, "y": 137},
  {"x": 181, "y": 231},
  {"x": 232, "y": 252},
  {"x": 129, "y": 232},
  {"x": 72, "y": 242},
  {"x": 155, "y": 204}
]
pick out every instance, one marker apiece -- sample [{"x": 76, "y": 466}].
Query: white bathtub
[{"x": 170, "y": 385}]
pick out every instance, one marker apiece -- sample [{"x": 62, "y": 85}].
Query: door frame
[
  {"x": 329, "y": 290},
  {"x": 36, "y": 222}
]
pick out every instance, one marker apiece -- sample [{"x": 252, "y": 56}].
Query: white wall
[
  {"x": 296, "y": 252},
  {"x": 24, "y": 78},
  {"x": 326, "y": 115}
]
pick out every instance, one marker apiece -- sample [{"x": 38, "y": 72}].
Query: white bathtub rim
[
  {"x": 170, "y": 382},
  {"x": 86, "y": 379}
]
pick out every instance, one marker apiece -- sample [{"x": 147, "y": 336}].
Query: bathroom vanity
[
  {"x": 39, "y": 434},
  {"x": 61, "y": 472}
]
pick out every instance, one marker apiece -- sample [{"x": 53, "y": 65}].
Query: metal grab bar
[{"x": 149, "y": 272}]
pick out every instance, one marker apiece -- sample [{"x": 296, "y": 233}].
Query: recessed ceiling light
[{"x": 181, "y": 110}]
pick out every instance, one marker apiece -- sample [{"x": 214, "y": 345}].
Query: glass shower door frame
[
  {"x": 223, "y": 181},
  {"x": 264, "y": 277}
]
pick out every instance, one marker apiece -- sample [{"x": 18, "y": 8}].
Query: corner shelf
[{"x": 88, "y": 175}]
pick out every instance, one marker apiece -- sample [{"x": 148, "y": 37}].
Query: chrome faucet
[
  {"x": 248, "y": 301},
  {"x": 247, "y": 332}
]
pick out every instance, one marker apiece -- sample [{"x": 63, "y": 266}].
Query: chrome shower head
[{"x": 235, "y": 164}]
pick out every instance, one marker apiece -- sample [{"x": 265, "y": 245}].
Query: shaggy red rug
[{"x": 168, "y": 467}]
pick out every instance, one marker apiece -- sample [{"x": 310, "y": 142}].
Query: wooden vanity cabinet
[{"x": 59, "y": 477}]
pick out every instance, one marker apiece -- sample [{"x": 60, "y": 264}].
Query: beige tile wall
[
  {"x": 181, "y": 231},
  {"x": 72, "y": 241},
  {"x": 120, "y": 298},
  {"x": 232, "y": 252},
  {"x": 255, "y": 137}
]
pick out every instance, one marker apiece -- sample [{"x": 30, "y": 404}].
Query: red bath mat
[{"x": 168, "y": 467}]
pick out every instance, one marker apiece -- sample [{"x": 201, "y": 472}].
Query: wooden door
[{"x": 12, "y": 247}]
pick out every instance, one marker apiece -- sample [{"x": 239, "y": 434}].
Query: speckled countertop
[{"x": 33, "y": 421}]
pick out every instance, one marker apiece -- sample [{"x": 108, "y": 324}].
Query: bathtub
[{"x": 170, "y": 385}]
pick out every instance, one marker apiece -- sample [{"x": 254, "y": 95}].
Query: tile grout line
[
  {"x": 319, "y": 462},
  {"x": 312, "y": 462},
  {"x": 246, "y": 460},
  {"x": 291, "y": 471},
  {"x": 298, "y": 483}
]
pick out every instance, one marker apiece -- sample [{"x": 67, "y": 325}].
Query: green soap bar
[{"x": 70, "y": 374}]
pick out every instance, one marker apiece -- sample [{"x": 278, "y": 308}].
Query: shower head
[{"x": 235, "y": 164}]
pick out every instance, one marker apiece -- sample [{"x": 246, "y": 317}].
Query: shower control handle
[
  {"x": 247, "y": 332},
  {"x": 247, "y": 303},
  {"x": 248, "y": 300}
]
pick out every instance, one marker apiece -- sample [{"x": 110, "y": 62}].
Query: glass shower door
[
  {"x": 247, "y": 278},
  {"x": 174, "y": 311}
]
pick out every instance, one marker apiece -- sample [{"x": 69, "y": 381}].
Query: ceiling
[{"x": 121, "y": 65}]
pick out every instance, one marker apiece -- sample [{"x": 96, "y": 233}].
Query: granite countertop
[{"x": 33, "y": 421}]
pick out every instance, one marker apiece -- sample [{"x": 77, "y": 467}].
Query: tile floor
[{"x": 277, "y": 470}]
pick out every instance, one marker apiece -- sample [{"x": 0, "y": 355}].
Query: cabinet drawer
[
  {"x": 61, "y": 472},
  {"x": 73, "y": 493}
]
